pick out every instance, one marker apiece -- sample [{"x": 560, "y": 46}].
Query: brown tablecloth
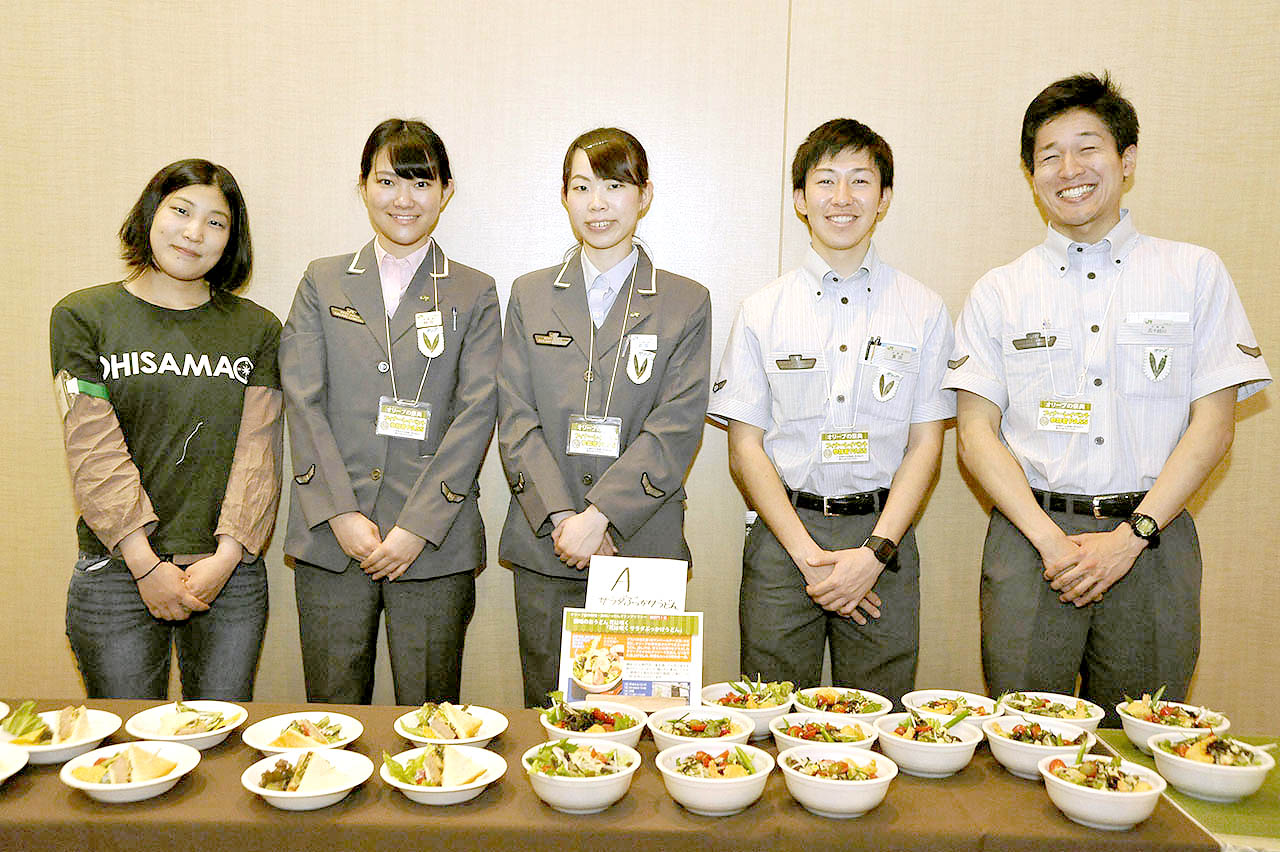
[{"x": 983, "y": 807}]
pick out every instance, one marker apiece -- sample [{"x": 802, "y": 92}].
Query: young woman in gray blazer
[
  {"x": 388, "y": 361},
  {"x": 601, "y": 396}
]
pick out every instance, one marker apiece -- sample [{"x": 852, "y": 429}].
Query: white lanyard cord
[
  {"x": 391, "y": 364},
  {"x": 1090, "y": 351},
  {"x": 591, "y": 350}
]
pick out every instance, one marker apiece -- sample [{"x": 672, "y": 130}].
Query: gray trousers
[
  {"x": 1144, "y": 633},
  {"x": 338, "y": 624},
  {"x": 784, "y": 632},
  {"x": 540, "y": 604}
]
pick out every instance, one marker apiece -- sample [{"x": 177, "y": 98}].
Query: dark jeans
[{"x": 123, "y": 651}]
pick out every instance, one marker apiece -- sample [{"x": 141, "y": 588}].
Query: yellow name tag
[
  {"x": 1059, "y": 416},
  {"x": 403, "y": 418},
  {"x": 594, "y": 436},
  {"x": 844, "y": 446}
]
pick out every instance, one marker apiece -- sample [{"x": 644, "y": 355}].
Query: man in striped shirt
[
  {"x": 831, "y": 388},
  {"x": 1097, "y": 377}
]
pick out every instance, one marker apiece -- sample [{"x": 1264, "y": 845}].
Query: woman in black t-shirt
[{"x": 171, "y": 401}]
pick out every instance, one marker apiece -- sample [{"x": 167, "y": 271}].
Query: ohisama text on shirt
[{"x": 124, "y": 364}]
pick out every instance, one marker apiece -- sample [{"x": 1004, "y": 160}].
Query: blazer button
[
  {"x": 375, "y": 474},
  {"x": 383, "y": 366},
  {"x": 586, "y": 479}
]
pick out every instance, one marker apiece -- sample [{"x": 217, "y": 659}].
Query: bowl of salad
[
  {"x": 597, "y": 667},
  {"x": 757, "y": 700},
  {"x": 130, "y": 772},
  {"x": 307, "y": 780},
  {"x": 1038, "y": 706},
  {"x": 945, "y": 703},
  {"x": 842, "y": 704},
  {"x": 56, "y": 736},
  {"x": 307, "y": 730},
  {"x": 199, "y": 724},
  {"x": 593, "y": 720},
  {"x": 1101, "y": 792},
  {"x": 674, "y": 725},
  {"x": 1148, "y": 715},
  {"x": 836, "y": 781},
  {"x": 797, "y": 729},
  {"x": 715, "y": 778},
  {"x": 578, "y": 776},
  {"x": 1209, "y": 766},
  {"x": 442, "y": 774},
  {"x": 1018, "y": 745},
  {"x": 925, "y": 746}
]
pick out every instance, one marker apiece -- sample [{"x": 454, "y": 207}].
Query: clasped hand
[
  {"x": 845, "y": 586},
  {"x": 1083, "y": 566},
  {"x": 580, "y": 535}
]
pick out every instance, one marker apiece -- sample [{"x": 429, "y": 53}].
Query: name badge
[
  {"x": 896, "y": 353},
  {"x": 1059, "y": 416},
  {"x": 403, "y": 418},
  {"x": 428, "y": 319},
  {"x": 594, "y": 436},
  {"x": 844, "y": 446}
]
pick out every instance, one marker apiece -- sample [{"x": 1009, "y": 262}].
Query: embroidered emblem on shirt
[
  {"x": 886, "y": 387},
  {"x": 1034, "y": 340},
  {"x": 431, "y": 341},
  {"x": 649, "y": 488},
  {"x": 957, "y": 363},
  {"x": 796, "y": 362},
  {"x": 517, "y": 487},
  {"x": 640, "y": 366},
  {"x": 1156, "y": 363},
  {"x": 552, "y": 338},
  {"x": 348, "y": 313},
  {"x": 1251, "y": 351},
  {"x": 449, "y": 494},
  {"x": 716, "y": 387},
  {"x": 304, "y": 478}
]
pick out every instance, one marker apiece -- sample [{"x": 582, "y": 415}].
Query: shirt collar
[
  {"x": 613, "y": 278},
  {"x": 414, "y": 260},
  {"x": 1120, "y": 241},
  {"x": 822, "y": 275}
]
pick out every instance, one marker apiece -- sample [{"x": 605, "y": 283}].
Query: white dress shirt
[
  {"x": 1139, "y": 327},
  {"x": 603, "y": 287}
]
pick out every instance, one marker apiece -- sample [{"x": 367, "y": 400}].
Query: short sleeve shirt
[
  {"x": 1134, "y": 327},
  {"x": 811, "y": 353}
]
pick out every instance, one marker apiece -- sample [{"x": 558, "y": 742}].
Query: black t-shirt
[{"x": 176, "y": 379}]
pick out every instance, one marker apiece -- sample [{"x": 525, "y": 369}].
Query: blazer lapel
[
  {"x": 569, "y": 303},
  {"x": 421, "y": 294},
  {"x": 363, "y": 288}
]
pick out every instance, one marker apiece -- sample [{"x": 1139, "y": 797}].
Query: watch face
[{"x": 1144, "y": 526}]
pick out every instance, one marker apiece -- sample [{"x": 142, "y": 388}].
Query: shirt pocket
[
  {"x": 889, "y": 384},
  {"x": 1154, "y": 359},
  {"x": 797, "y": 384},
  {"x": 1040, "y": 365}
]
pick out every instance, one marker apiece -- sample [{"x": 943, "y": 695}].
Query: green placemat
[{"x": 1256, "y": 816}]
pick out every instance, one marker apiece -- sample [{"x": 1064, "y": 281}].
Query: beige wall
[{"x": 97, "y": 98}]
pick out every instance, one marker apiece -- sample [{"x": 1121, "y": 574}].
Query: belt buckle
[
  {"x": 1097, "y": 504},
  {"x": 826, "y": 512}
]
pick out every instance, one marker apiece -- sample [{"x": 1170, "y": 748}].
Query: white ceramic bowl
[
  {"x": 495, "y": 766},
  {"x": 1139, "y": 731},
  {"x": 260, "y": 734},
  {"x": 928, "y": 760},
  {"x": 915, "y": 701},
  {"x": 101, "y": 725},
  {"x": 355, "y": 769},
  {"x": 594, "y": 688},
  {"x": 831, "y": 798},
  {"x": 144, "y": 724},
  {"x": 783, "y": 740},
  {"x": 1023, "y": 759},
  {"x": 4, "y": 710},
  {"x": 760, "y": 717},
  {"x": 583, "y": 795},
  {"x": 1103, "y": 808},
  {"x": 492, "y": 723},
  {"x": 805, "y": 694},
  {"x": 1089, "y": 723},
  {"x": 185, "y": 756},
  {"x": 664, "y": 739},
  {"x": 12, "y": 758},
  {"x": 627, "y": 736},
  {"x": 1209, "y": 781},
  {"x": 714, "y": 796}
]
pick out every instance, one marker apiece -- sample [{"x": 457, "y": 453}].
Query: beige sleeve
[
  {"x": 104, "y": 480},
  {"x": 253, "y": 487}
]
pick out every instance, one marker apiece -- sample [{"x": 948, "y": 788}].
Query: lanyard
[
  {"x": 1090, "y": 351},
  {"x": 589, "y": 377},
  {"x": 435, "y": 283}
]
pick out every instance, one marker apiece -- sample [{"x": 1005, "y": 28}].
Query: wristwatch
[
  {"x": 883, "y": 549},
  {"x": 1145, "y": 527}
]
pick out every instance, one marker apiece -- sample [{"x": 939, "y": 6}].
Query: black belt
[
  {"x": 1102, "y": 506},
  {"x": 847, "y": 504}
]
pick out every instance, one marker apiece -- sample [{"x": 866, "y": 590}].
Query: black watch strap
[
  {"x": 1145, "y": 527},
  {"x": 884, "y": 550}
]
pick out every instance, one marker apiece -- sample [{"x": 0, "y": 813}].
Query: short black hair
[
  {"x": 839, "y": 134},
  {"x": 236, "y": 264},
  {"x": 414, "y": 149},
  {"x": 1098, "y": 95},
  {"x": 614, "y": 154}
]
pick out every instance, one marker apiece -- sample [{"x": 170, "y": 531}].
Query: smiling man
[
  {"x": 831, "y": 388},
  {"x": 1097, "y": 377}
]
